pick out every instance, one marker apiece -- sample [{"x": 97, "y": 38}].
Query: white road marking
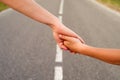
[
  {"x": 58, "y": 49},
  {"x": 61, "y": 7},
  {"x": 60, "y": 18},
  {"x": 58, "y": 73},
  {"x": 58, "y": 55}
]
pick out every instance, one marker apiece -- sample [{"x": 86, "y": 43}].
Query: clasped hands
[{"x": 66, "y": 38}]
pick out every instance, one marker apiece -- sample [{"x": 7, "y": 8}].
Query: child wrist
[{"x": 84, "y": 48}]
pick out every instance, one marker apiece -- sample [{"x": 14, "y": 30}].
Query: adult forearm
[
  {"x": 31, "y": 9},
  {"x": 108, "y": 55}
]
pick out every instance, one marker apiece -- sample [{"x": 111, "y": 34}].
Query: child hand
[
  {"x": 73, "y": 44},
  {"x": 62, "y": 29}
]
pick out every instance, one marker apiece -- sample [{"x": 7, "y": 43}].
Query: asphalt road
[{"x": 28, "y": 50}]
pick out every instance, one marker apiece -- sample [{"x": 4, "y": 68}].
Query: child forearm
[
  {"x": 108, "y": 55},
  {"x": 33, "y": 10}
]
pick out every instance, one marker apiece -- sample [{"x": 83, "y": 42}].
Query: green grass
[
  {"x": 114, "y": 4},
  {"x": 3, "y": 6}
]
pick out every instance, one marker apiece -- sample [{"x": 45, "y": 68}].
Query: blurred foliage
[
  {"x": 115, "y": 4},
  {"x": 3, "y": 6}
]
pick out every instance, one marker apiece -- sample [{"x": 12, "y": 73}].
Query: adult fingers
[
  {"x": 59, "y": 41},
  {"x": 65, "y": 38},
  {"x": 82, "y": 41}
]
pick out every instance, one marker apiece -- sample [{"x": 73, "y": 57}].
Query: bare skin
[
  {"x": 33, "y": 10},
  {"x": 108, "y": 55}
]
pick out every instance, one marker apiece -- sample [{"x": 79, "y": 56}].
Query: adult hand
[{"x": 61, "y": 29}]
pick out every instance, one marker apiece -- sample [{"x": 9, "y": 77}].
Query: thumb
[{"x": 66, "y": 43}]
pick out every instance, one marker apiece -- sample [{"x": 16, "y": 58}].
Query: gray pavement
[
  {"x": 99, "y": 28},
  {"x": 27, "y": 48}
]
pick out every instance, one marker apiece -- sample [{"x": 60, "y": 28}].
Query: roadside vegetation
[
  {"x": 3, "y": 7},
  {"x": 114, "y": 4}
]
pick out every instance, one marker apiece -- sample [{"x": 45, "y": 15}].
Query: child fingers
[
  {"x": 63, "y": 46},
  {"x": 66, "y": 38}
]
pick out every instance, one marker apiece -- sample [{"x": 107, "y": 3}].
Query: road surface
[{"x": 28, "y": 50}]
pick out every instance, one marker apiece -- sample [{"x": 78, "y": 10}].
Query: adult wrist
[{"x": 54, "y": 24}]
